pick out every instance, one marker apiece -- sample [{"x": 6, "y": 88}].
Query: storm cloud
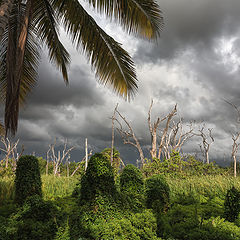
[{"x": 195, "y": 64}]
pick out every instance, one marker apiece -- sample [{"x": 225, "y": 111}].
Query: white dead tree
[
  {"x": 112, "y": 144},
  {"x": 79, "y": 164},
  {"x": 86, "y": 154},
  {"x": 207, "y": 140},
  {"x": 59, "y": 157},
  {"x": 10, "y": 150},
  {"x": 128, "y": 136},
  {"x": 153, "y": 127},
  {"x": 235, "y": 138},
  {"x": 235, "y": 147},
  {"x": 176, "y": 137},
  {"x": 165, "y": 131}
]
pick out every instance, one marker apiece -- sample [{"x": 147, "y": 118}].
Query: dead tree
[
  {"x": 235, "y": 138},
  {"x": 153, "y": 127},
  {"x": 177, "y": 137},
  {"x": 79, "y": 165},
  {"x": 10, "y": 151},
  {"x": 112, "y": 144},
  {"x": 235, "y": 147},
  {"x": 128, "y": 136},
  {"x": 86, "y": 154},
  {"x": 165, "y": 130},
  {"x": 207, "y": 140},
  {"x": 58, "y": 158}
]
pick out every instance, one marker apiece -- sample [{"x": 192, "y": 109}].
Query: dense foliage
[
  {"x": 98, "y": 179},
  {"x": 131, "y": 180},
  {"x": 157, "y": 193},
  {"x": 28, "y": 180},
  {"x": 232, "y": 204},
  {"x": 179, "y": 166},
  {"x": 127, "y": 206}
]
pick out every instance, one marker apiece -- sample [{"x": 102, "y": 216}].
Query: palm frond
[
  {"x": 112, "y": 64},
  {"x": 142, "y": 17},
  {"x": 30, "y": 65},
  {"x": 18, "y": 73},
  {"x": 44, "y": 19}
]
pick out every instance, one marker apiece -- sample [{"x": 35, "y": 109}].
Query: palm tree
[
  {"x": 32, "y": 23},
  {"x": 5, "y": 10}
]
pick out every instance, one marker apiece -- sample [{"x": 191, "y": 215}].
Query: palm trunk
[
  {"x": 14, "y": 77},
  {"x": 5, "y": 11}
]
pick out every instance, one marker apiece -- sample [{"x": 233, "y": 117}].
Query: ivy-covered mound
[
  {"x": 103, "y": 212},
  {"x": 28, "y": 180}
]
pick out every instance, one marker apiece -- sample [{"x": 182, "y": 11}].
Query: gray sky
[{"x": 194, "y": 64}]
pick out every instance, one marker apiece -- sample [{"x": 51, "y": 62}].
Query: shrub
[
  {"x": 133, "y": 227},
  {"x": 232, "y": 204},
  {"x": 116, "y": 160},
  {"x": 131, "y": 180},
  {"x": 28, "y": 179},
  {"x": 98, "y": 179},
  {"x": 157, "y": 193},
  {"x": 36, "y": 219}
]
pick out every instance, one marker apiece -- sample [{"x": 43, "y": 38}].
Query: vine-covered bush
[
  {"x": 98, "y": 179},
  {"x": 179, "y": 166},
  {"x": 157, "y": 193},
  {"x": 28, "y": 180},
  {"x": 232, "y": 204},
  {"x": 36, "y": 219},
  {"x": 131, "y": 180},
  {"x": 130, "y": 227}
]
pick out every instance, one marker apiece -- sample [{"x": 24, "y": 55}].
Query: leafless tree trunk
[
  {"x": 60, "y": 157},
  {"x": 165, "y": 131},
  {"x": 129, "y": 137},
  {"x": 177, "y": 137},
  {"x": 207, "y": 140},
  {"x": 47, "y": 160},
  {"x": 235, "y": 138},
  {"x": 86, "y": 154},
  {"x": 153, "y": 131},
  {"x": 112, "y": 145},
  {"x": 235, "y": 147},
  {"x": 79, "y": 165},
  {"x": 10, "y": 151}
]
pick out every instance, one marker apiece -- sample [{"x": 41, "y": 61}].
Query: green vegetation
[
  {"x": 28, "y": 180},
  {"x": 98, "y": 205}
]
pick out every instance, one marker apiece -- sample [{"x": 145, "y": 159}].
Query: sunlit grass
[
  {"x": 6, "y": 189},
  {"x": 52, "y": 187},
  {"x": 57, "y": 187},
  {"x": 204, "y": 185},
  {"x": 60, "y": 187}
]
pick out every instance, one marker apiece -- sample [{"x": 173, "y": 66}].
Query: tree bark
[
  {"x": 14, "y": 81},
  {"x": 5, "y": 11}
]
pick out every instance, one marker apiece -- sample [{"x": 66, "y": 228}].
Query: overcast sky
[{"x": 194, "y": 64}]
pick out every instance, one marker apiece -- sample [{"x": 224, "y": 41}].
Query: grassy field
[
  {"x": 205, "y": 185},
  {"x": 53, "y": 187},
  {"x": 59, "y": 187}
]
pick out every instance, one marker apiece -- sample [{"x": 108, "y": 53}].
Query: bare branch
[{"x": 128, "y": 136}]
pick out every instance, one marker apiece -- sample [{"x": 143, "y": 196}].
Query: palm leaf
[
  {"x": 8, "y": 67},
  {"x": 45, "y": 21},
  {"x": 112, "y": 64},
  {"x": 142, "y": 17}
]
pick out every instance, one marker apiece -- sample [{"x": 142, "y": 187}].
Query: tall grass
[
  {"x": 204, "y": 185},
  {"x": 59, "y": 187},
  {"x": 6, "y": 189},
  {"x": 52, "y": 187}
]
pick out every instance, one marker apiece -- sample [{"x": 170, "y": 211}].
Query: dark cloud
[
  {"x": 195, "y": 64},
  {"x": 191, "y": 25}
]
